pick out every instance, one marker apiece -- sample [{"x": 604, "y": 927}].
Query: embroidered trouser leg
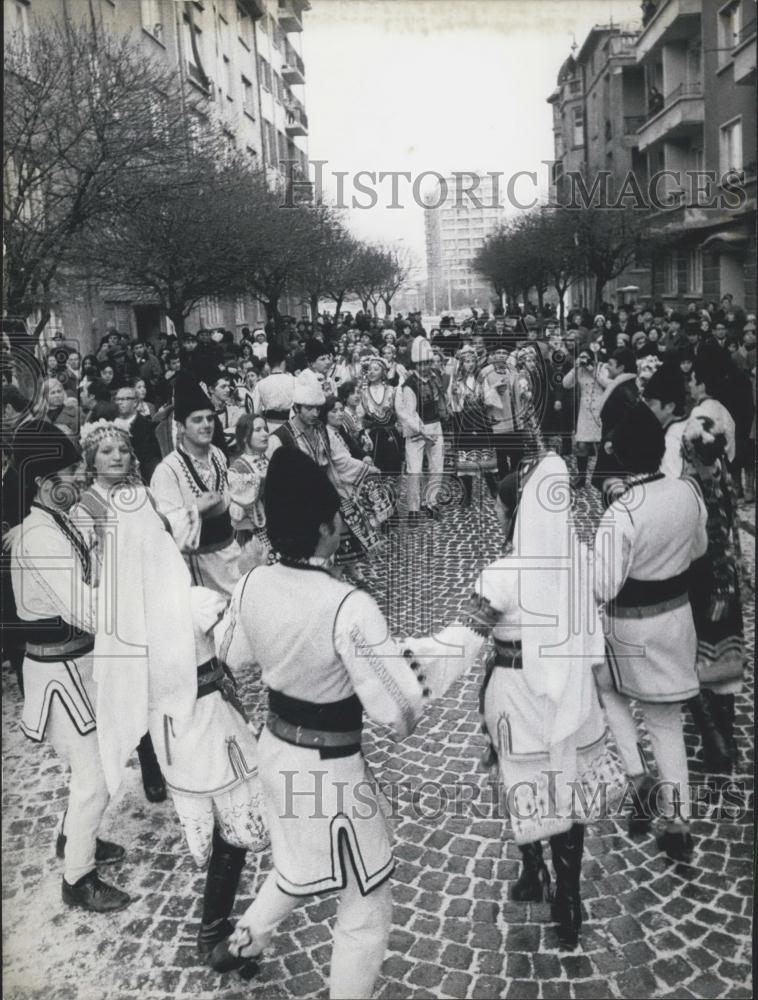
[
  {"x": 664, "y": 725},
  {"x": 360, "y": 933},
  {"x": 88, "y": 793}
]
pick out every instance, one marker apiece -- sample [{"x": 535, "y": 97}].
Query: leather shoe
[
  {"x": 641, "y": 818},
  {"x": 91, "y": 893},
  {"x": 222, "y": 960},
  {"x": 106, "y": 853},
  {"x": 676, "y": 845}
]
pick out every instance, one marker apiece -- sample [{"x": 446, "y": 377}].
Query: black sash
[
  {"x": 332, "y": 716},
  {"x": 643, "y": 593},
  {"x": 215, "y": 530}
]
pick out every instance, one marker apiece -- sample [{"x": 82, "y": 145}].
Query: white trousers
[
  {"x": 415, "y": 449},
  {"x": 87, "y": 794},
  {"x": 361, "y": 932},
  {"x": 663, "y": 722}
]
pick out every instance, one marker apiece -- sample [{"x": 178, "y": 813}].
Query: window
[
  {"x": 695, "y": 271},
  {"x": 264, "y": 73},
  {"x": 239, "y": 310},
  {"x": 244, "y": 28},
  {"x": 210, "y": 314},
  {"x": 269, "y": 135},
  {"x": 196, "y": 128},
  {"x": 278, "y": 89},
  {"x": 228, "y": 79},
  {"x": 248, "y": 97},
  {"x": 193, "y": 50},
  {"x": 276, "y": 34},
  {"x": 19, "y": 18},
  {"x": 669, "y": 275},
  {"x": 730, "y": 146},
  {"x": 578, "y": 135},
  {"x": 282, "y": 145},
  {"x": 151, "y": 17},
  {"x": 728, "y": 31}
]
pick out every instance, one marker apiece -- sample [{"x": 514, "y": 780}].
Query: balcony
[
  {"x": 683, "y": 114},
  {"x": 633, "y": 123},
  {"x": 293, "y": 68},
  {"x": 253, "y": 8},
  {"x": 297, "y": 121},
  {"x": 290, "y": 17},
  {"x": 744, "y": 55},
  {"x": 673, "y": 21}
]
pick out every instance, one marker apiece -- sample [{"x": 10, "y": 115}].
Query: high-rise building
[
  {"x": 456, "y": 224},
  {"x": 243, "y": 59}
]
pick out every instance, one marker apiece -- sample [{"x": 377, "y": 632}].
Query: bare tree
[
  {"x": 180, "y": 241},
  {"x": 397, "y": 271},
  {"x": 82, "y": 109}
]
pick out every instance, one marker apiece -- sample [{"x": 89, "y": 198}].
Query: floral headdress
[{"x": 92, "y": 434}]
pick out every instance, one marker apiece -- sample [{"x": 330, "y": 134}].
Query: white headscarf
[
  {"x": 562, "y": 635},
  {"x": 144, "y": 652}
]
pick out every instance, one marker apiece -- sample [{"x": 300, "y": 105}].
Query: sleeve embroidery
[{"x": 383, "y": 675}]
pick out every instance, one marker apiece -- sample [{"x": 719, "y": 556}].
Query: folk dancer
[
  {"x": 323, "y": 667},
  {"x": 306, "y": 432},
  {"x": 272, "y": 395},
  {"x": 541, "y": 710},
  {"x": 645, "y": 544},
  {"x": 52, "y": 578},
  {"x": 193, "y": 477},
  {"x": 110, "y": 458},
  {"x": 421, "y": 408},
  {"x": 247, "y": 479},
  {"x": 473, "y": 441},
  {"x": 708, "y": 446},
  {"x": 157, "y": 671}
]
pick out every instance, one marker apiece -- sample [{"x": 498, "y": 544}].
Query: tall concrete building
[
  {"x": 675, "y": 93},
  {"x": 700, "y": 55},
  {"x": 243, "y": 59},
  {"x": 455, "y": 227}
]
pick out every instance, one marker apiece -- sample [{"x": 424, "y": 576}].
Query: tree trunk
[
  {"x": 561, "y": 306},
  {"x": 338, "y": 300},
  {"x": 541, "y": 299},
  {"x": 314, "y": 306},
  {"x": 600, "y": 282},
  {"x": 271, "y": 305},
  {"x": 365, "y": 304},
  {"x": 387, "y": 305},
  {"x": 177, "y": 317}
]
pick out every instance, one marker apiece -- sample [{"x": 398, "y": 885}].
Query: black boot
[
  {"x": 533, "y": 884},
  {"x": 643, "y": 811},
  {"x": 716, "y": 757},
  {"x": 152, "y": 779},
  {"x": 491, "y": 480},
  {"x": 467, "y": 482},
  {"x": 722, "y": 710},
  {"x": 224, "y": 870},
  {"x": 566, "y": 910}
]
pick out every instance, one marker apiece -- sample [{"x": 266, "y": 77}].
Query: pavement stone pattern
[{"x": 652, "y": 928}]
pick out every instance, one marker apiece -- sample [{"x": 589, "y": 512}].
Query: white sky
[{"x": 415, "y": 85}]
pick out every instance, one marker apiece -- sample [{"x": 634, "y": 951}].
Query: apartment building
[
  {"x": 673, "y": 95},
  {"x": 244, "y": 60},
  {"x": 455, "y": 227},
  {"x": 700, "y": 55}
]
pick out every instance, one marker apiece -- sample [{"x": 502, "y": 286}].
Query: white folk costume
[
  {"x": 323, "y": 667},
  {"x": 211, "y": 552},
  {"x": 247, "y": 477},
  {"x": 540, "y": 702},
  {"x": 272, "y": 398},
  {"x": 157, "y": 672},
  {"x": 420, "y": 407},
  {"x": 51, "y": 574},
  {"x": 645, "y": 544}
]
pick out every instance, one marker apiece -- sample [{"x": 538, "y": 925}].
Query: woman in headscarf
[
  {"x": 538, "y": 698},
  {"x": 156, "y": 671},
  {"x": 474, "y": 451},
  {"x": 377, "y": 400}
]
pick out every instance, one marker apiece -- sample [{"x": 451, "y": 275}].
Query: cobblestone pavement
[{"x": 652, "y": 928}]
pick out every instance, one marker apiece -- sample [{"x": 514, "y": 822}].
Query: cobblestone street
[{"x": 652, "y": 928}]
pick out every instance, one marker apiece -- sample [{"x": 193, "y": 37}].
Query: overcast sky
[{"x": 417, "y": 85}]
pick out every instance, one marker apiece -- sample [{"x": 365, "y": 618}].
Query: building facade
[
  {"x": 244, "y": 60},
  {"x": 670, "y": 99},
  {"x": 456, "y": 224}
]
